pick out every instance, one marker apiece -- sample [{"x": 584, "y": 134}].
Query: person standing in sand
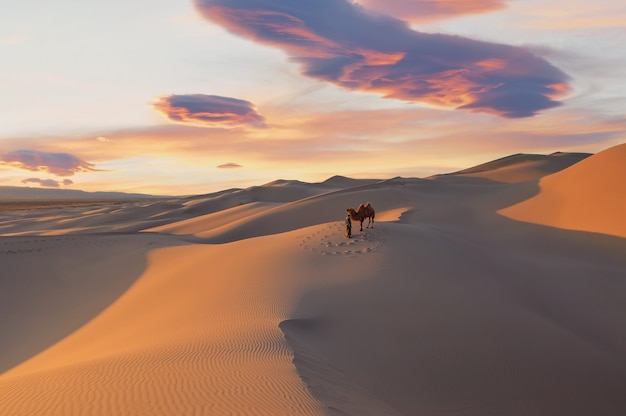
[{"x": 348, "y": 227}]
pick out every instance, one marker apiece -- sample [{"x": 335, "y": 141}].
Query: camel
[{"x": 362, "y": 212}]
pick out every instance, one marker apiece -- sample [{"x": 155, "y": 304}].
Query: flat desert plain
[{"x": 499, "y": 290}]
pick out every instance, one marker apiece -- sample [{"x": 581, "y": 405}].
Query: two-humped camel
[{"x": 362, "y": 212}]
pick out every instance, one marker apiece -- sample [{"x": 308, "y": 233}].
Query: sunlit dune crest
[
  {"x": 254, "y": 302},
  {"x": 589, "y": 196}
]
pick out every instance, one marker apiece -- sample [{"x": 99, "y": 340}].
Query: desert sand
[
  {"x": 494, "y": 291},
  {"x": 590, "y": 196}
]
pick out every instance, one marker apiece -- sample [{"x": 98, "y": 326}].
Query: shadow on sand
[
  {"x": 52, "y": 286},
  {"x": 471, "y": 313}
]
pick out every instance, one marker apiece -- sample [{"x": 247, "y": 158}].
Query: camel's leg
[{"x": 361, "y": 225}]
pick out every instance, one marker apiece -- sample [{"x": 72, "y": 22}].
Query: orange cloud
[
  {"x": 209, "y": 111},
  {"x": 342, "y": 43},
  {"x": 60, "y": 164}
]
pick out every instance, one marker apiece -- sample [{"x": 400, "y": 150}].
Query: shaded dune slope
[
  {"x": 471, "y": 313},
  {"x": 51, "y": 286},
  {"x": 191, "y": 336},
  {"x": 455, "y": 323}
]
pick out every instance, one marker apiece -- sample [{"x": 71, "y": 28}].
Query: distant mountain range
[
  {"x": 23, "y": 193},
  {"x": 543, "y": 165}
]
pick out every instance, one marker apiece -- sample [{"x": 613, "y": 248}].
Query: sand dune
[
  {"x": 136, "y": 216},
  {"x": 517, "y": 168},
  {"x": 589, "y": 196},
  {"x": 51, "y": 286},
  {"x": 252, "y": 302},
  {"x": 199, "y": 335}
]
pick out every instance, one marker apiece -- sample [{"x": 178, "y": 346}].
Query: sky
[{"x": 181, "y": 97}]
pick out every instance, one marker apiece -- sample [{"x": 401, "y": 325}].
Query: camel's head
[{"x": 350, "y": 211}]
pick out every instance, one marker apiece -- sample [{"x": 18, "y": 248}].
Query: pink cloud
[
  {"x": 345, "y": 44},
  {"x": 209, "y": 111},
  {"x": 423, "y": 10},
  {"x": 60, "y": 164}
]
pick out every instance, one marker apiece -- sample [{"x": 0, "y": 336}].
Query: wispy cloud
[
  {"x": 423, "y": 10},
  {"x": 209, "y": 111},
  {"x": 48, "y": 183},
  {"x": 345, "y": 44},
  {"x": 230, "y": 165},
  {"x": 12, "y": 40},
  {"x": 60, "y": 164}
]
